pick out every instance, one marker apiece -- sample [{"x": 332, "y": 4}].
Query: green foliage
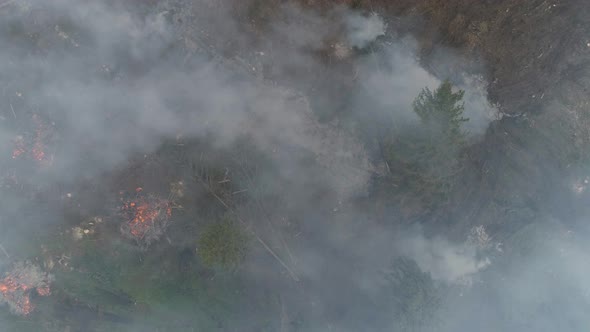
[
  {"x": 416, "y": 298},
  {"x": 426, "y": 159},
  {"x": 223, "y": 244},
  {"x": 441, "y": 111}
]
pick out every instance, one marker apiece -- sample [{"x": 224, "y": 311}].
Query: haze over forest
[{"x": 250, "y": 165}]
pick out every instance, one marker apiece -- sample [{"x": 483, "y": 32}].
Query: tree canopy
[
  {"x": 442, "y": 110},
  {"x": 425, "y": 159}
]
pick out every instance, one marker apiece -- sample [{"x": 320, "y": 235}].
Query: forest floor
[{"x": 534, "y": 53}]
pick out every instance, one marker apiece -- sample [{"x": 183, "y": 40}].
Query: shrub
[
  {"x": 416, "y": 298},
  {"x": 223, "y": 244}
]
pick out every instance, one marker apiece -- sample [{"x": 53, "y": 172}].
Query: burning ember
[
  {"x": 34, "y": 147},
  {"x": 19, "y": 283},
  {"x": 146, "y": 217},
  {"x": 19, "y": 147}
]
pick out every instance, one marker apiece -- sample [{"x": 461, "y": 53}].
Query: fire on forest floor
[
  {"x": 18, "y": 285},
  {"x": 146, "y": 217}
]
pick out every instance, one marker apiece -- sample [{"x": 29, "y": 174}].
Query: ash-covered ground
[{"x": 197, "y": 165}]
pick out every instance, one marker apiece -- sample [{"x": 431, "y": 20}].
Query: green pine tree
[
  {"x": 441, "y": 111},
  {"x": 425, "y": 160}
]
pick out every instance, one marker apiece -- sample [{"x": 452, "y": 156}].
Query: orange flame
[
  {"x": 145, "y": 213},
  {"x": 35, "y": 149},
  {"x": 38, "y": 150},
  {"x": 19, "y": 147},
  {"x": 18, "y": 293}
]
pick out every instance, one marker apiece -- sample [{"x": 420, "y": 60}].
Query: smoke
[
  {"x": 393, "y": 83},
  {"x": 118, "y": 88},
  {"x": 393, "y": 77},
  {"x": 363, "y": 30},
  {"x": 445, "y": 261},
  {"x": 88, "y": 88},
  {"x": 539, "y": 287},
  {"x": 478, "y": 108}
]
